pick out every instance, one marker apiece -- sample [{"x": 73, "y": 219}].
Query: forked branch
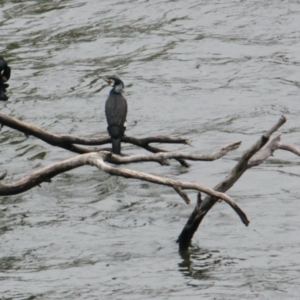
[
  {"x": 202, "y": 209},
  {"x": 71, "y": 143},
  {"x": 98, "y": 160},
  {"x": 162, "y": 157},
  {"x": 68, "y": 142},
  {"x": 269, "y": 149}
]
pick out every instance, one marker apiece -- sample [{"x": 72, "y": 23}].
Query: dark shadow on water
[{"x": 199, "y": 263}]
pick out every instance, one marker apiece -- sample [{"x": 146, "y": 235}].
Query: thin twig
[{"x": 162, "y": 156}]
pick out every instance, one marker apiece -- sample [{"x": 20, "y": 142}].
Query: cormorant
[
  {"x": 116, "y": 112},
  {"x": 4, "y": 76}
]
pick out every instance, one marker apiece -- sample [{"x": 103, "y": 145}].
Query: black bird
[
  {"x": 116, "y": 112},
  {"x": 4, "y": 76}
]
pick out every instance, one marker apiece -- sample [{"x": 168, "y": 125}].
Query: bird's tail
[
  {"x": 116, "y": 146},
  {"x": 3, "y": 96}
]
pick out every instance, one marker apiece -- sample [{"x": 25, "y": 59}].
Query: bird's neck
[{"x": 117, "y": 89}]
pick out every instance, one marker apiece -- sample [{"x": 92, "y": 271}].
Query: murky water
[{"x": 212, "y": 71}]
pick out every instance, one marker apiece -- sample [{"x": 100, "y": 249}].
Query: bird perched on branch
[
  {"x": 116, "y": 112},
  {"x": 4, "y": 76}
]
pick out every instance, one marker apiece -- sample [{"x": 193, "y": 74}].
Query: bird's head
[{"x": 115, "y": 82}]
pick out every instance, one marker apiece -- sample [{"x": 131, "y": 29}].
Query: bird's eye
[{"x": 111, "y": 82}]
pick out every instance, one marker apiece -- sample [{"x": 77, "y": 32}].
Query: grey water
[{"x": 214, "y": 72}]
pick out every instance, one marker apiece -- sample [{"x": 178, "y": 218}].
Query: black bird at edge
[
  {"x": 116, "y": 112},
  {"x": 4, "y": 76}
]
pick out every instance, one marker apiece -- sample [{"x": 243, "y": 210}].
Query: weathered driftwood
[
  {"x": 70, "y": 142},
  {"x": 98, "y": 159},
  {"x": 269, "y": 149},
  {"x": 244, "y": 163}
]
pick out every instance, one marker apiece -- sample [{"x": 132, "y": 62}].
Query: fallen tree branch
[
  {"x": 264, "y": 153},
  {"x": 254, "y": 156},
  {"x": 162, "y": 157},
  {"x": 98, "y": 160},
  {"x": 269, "y": 149},
  {"x": 290, "y": 148},
  {"x": 68, "y": 142},
  {"x": 201, "y": 210}
]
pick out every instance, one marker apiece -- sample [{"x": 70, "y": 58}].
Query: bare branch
[
  {"x": 98, "y": 160},
  {"x": 3, "y": 175},
  {"x": 269, "y": 149},
  {"x": 280, "y": 122},
  {"x": 182, "y": 194},
  {"x": 67, "y": 142},
  {"x": 155, "y": 139},
  {"x": 161, "y": 157},
  {"x": 158, "y": 150},
  {"x": 265, "y": 152},
  {"x": 254, "y": 156},
  {"x": 170, "y": 182},
  {"x": 144, "y": 143},
  {"x": 50, "y": 138},
  {"x": 290, "y": 148},
  {"x": 201, "y": 210}
]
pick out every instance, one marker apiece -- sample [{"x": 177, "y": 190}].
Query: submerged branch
[
  {"x": 99, "y": 158},
  {"x": 201, "y": 210}
]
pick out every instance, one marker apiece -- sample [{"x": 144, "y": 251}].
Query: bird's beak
[
  {"x": 108, "y": 80},
  {"x": 104, "y": 78}
]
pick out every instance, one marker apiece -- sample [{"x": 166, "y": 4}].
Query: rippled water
[{"x": 212, "y": 71}]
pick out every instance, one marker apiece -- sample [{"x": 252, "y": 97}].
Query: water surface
[{"x": 212, "y": 71}]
